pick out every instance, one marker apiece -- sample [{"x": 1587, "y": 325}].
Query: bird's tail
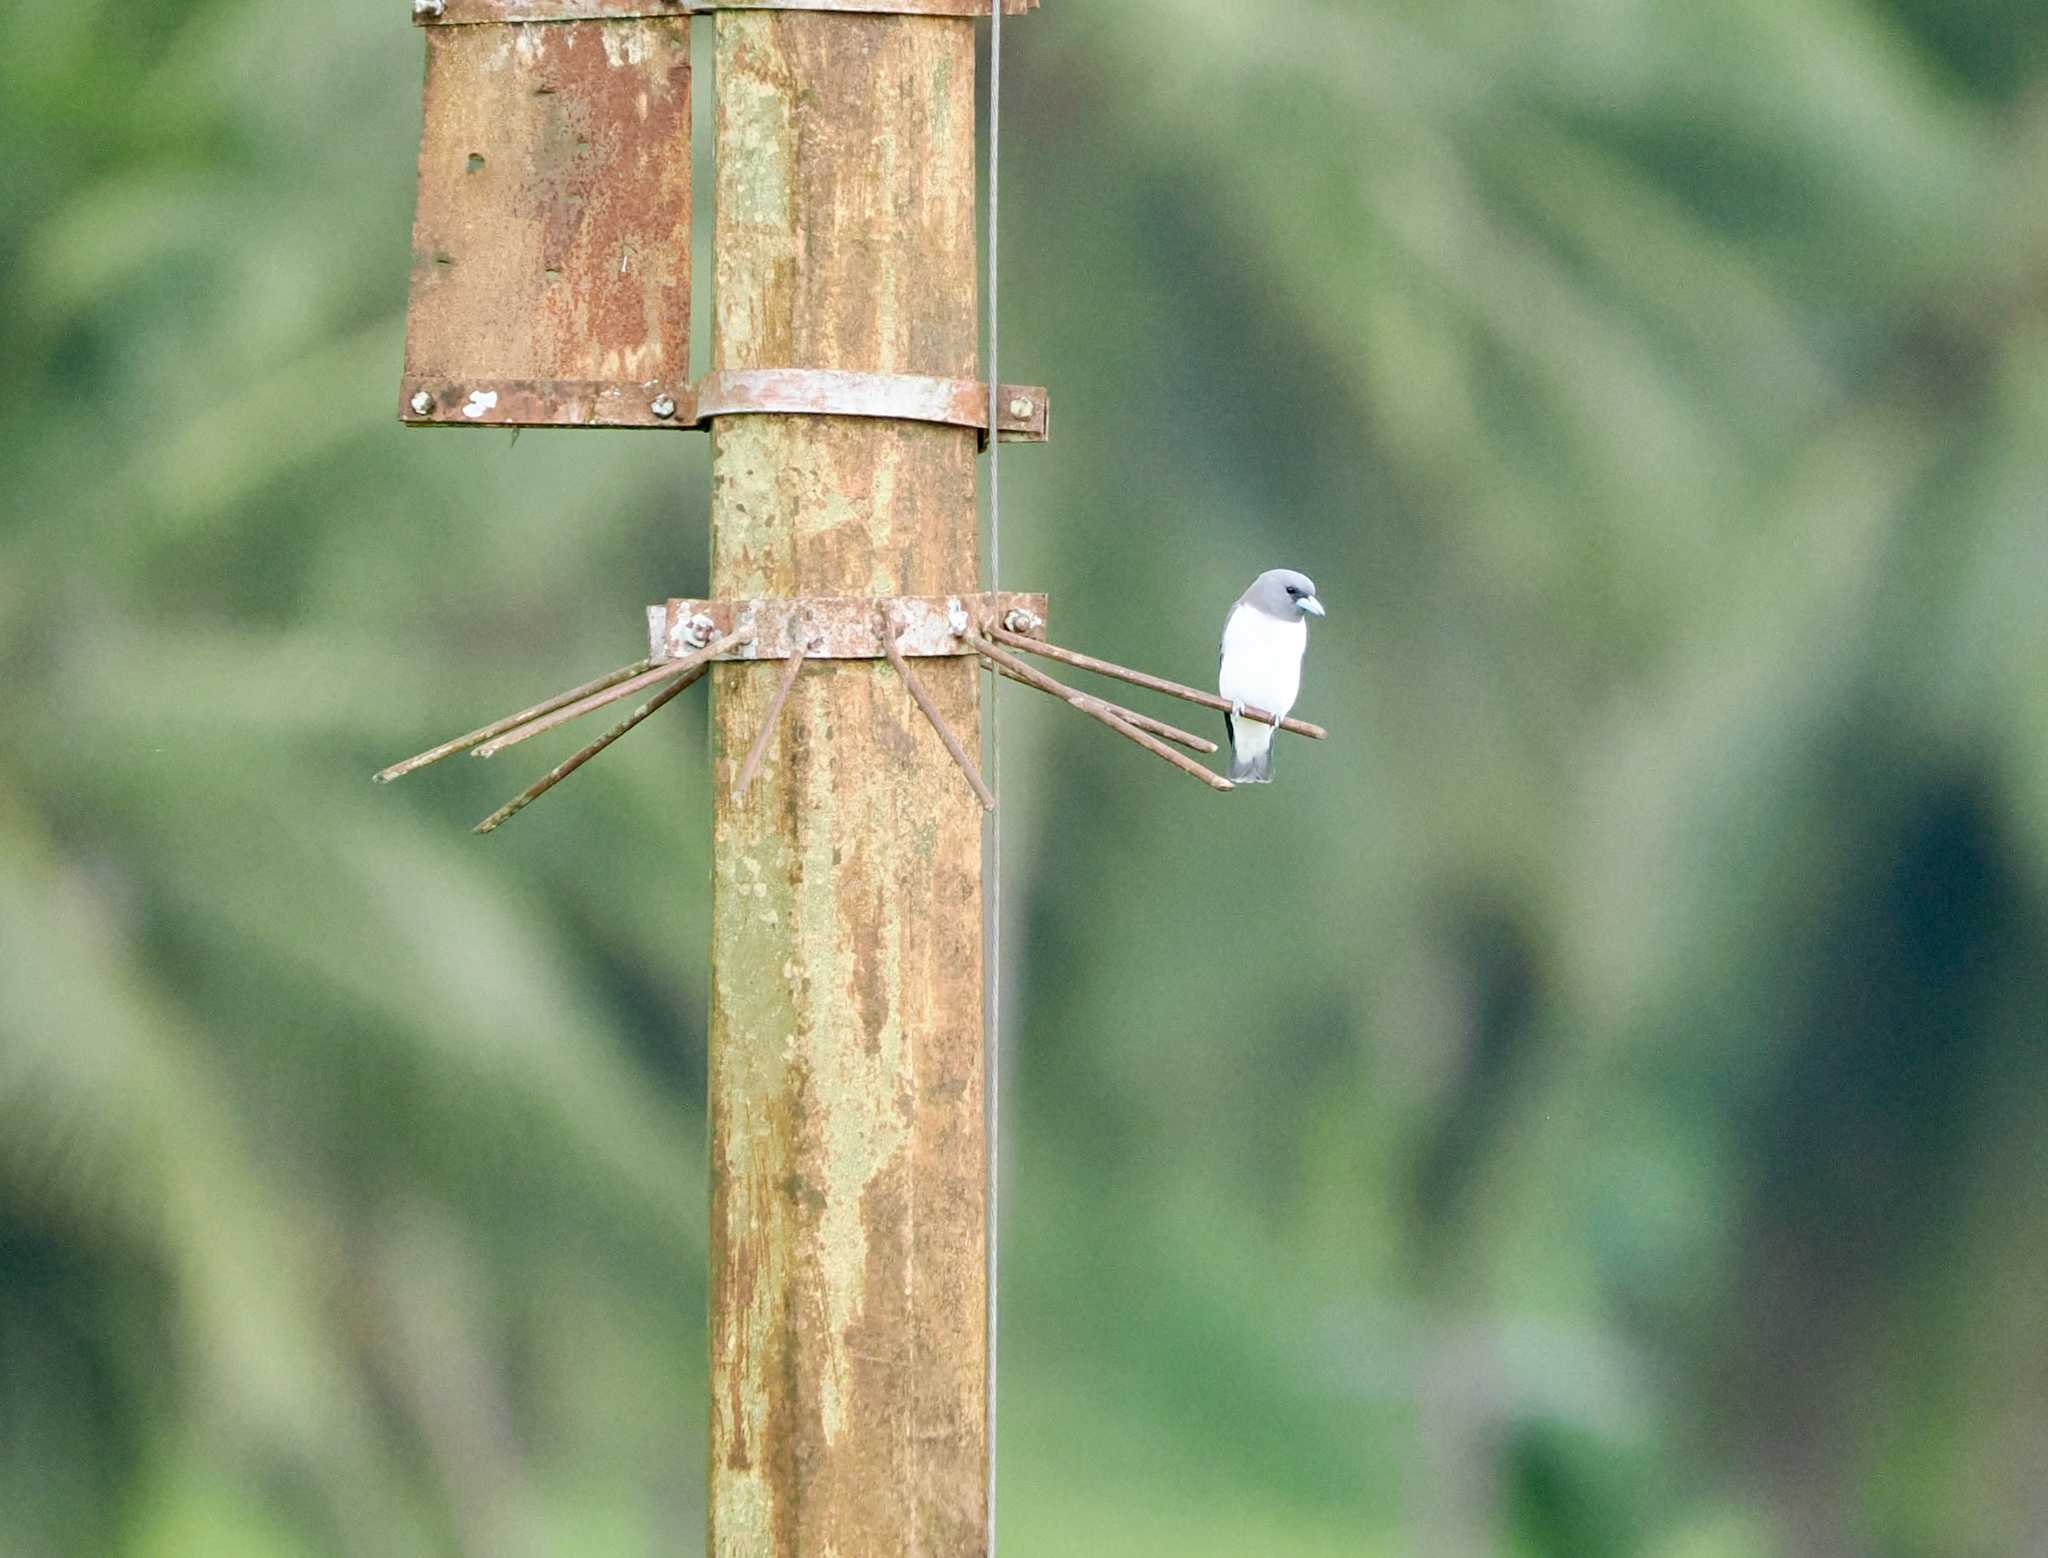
[{"x": 1251, "y": 760}]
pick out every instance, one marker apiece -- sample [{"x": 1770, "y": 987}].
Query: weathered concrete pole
[{"x": 849, "y": 1355}]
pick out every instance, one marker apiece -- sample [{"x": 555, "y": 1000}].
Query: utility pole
[
  {"x": 850, "y": 1210},
  {"x": 849, "y": 1155}
]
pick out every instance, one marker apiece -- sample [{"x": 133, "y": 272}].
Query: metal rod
[
  {"x": 510, "y": 722},
  {"x": 563, "y": 770},
  {"x": 1093, "y": 707},
  {"x": 923, "y": 700},
  {"x": 1157, "y": 727},
  {"x": 1122, "y": 673},
  {"x": 993, "y": 1043},
  {"x": 759, "y": 750},
  {"x": 597, "y": 700},
  {"x": 1160, "y": 728}
]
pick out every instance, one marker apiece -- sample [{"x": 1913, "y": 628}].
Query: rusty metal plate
[
  {"x": 464, "y": 13},
  {"x": 1024, "y": 415},
  {"x": 545, "y": 403},
  {"x": 551, "y": 249},
  {"x": 839, "y": 627}
]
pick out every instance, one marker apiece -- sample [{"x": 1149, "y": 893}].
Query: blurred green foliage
[{"x": 1593, "y": 1105}]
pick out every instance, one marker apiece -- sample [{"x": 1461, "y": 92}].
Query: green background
[{"x": 1594, "y": 1104}]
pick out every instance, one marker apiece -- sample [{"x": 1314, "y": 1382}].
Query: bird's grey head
[{"x": 1283, "y": 593}]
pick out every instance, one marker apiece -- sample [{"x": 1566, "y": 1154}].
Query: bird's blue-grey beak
[{"x": 1310, "y": 603}]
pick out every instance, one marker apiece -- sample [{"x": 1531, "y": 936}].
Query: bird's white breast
[{"x": 1262, "y": 660}]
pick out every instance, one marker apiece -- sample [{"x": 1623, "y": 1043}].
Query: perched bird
[{"x": 1264, "y": 638}]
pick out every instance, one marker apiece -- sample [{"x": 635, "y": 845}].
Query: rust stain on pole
[{"x": 849, "y": 1358}]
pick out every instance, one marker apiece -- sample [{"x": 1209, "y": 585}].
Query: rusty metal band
[
  {"x": 839, "y": 627},
  {"x": 1021, "y": 411},
  {"x": 471, "y": 13}
]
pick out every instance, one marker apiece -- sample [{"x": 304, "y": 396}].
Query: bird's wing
[{"x": 1230, "y": 616}]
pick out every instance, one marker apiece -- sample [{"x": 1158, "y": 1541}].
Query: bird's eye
[{"x": 1293, "y": 589}]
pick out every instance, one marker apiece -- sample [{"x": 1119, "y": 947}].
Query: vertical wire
[{"x": 994, "y": 1057}]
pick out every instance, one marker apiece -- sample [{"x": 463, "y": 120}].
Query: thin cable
[{"x": 994, "y": 1059}]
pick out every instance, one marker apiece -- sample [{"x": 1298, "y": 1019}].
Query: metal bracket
[
  {"x": 470, "y": 13},
  {"x": 432, "y": 402},
  {"x": 836, "y": 627},
  {"x": 686, "y": 636},
  {"x": 1023, "y": 415}
]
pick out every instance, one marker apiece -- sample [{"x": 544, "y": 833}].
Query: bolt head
[
  {"x": 664, "y": 406},
  {"x": 421, "y": 403},
  {"x": 1020, "y": 407},
  {"x": 695, "y": 632},
  {"x": 428, "y": 7}
]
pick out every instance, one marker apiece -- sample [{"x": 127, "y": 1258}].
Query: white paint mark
[
  {"x": 624, "y": 45},
  {"x": 481, "y": 404}
]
